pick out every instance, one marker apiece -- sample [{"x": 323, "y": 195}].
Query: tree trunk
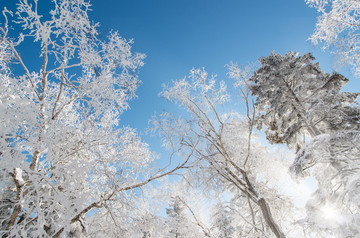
[{"x": 265, "y": 209}]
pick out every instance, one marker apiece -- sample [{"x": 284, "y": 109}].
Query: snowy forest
[{"x": 70, "y": 168}]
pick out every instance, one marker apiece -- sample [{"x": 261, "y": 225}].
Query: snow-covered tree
[
  {"x": 179, "y": 225},
  {"x": 221, "y": 221},
  {"x": 297, "y": 100},
  {"x": 63, "y": 152},
  {"x": 131, "y": 218},
  {"x": 338, "y": 28},
  {"x": 221, "y": 146},
  {"x": 334, "y": 206}
]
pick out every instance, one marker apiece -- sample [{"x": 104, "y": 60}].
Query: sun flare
[{"x": 328, "y": 212}]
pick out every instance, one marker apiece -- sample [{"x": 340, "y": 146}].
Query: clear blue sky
[{"x": 179, "y": 35}]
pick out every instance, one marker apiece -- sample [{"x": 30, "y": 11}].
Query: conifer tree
[{"x": 303, "y": 107}]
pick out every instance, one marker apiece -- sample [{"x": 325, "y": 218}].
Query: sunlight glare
[{"x": 328, "y": 212}]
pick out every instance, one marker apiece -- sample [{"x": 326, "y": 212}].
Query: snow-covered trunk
[
  {"x": 17, "y": 175},
  {"x": 265, "y": 209},
  {"x": 245, "y": 185},
  {"x": 19, "y": 182}
]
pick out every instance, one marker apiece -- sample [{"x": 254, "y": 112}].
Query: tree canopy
[{"x": 70, "y": 168}]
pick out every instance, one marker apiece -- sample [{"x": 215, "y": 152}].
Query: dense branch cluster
[
  {"x": 337, "y": 29},
  {"x": 63, "y": 153},
  {"x": 305, "y": 108}
]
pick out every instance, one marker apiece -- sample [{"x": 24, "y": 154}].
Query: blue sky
[{"x": 179, "y": 35}]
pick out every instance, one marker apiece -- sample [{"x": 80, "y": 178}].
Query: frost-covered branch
[
  {"x": 218, "y": 144},
  {"x": 203, "y": 228},
  {"x": 337, "y": 29},
  {"x": 62, "y": 119}
]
